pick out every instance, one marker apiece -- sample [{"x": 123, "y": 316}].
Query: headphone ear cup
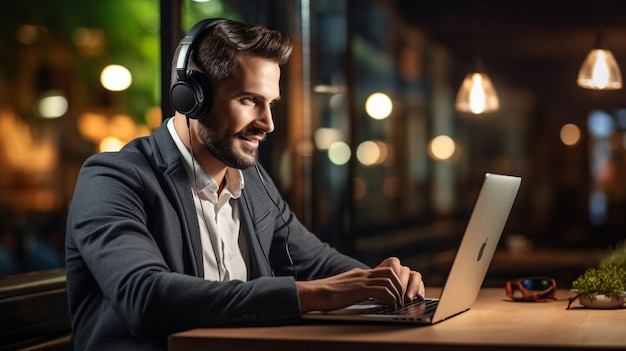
[{"x": 192, "y": 96}]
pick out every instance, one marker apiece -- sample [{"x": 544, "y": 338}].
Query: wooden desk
[{"x": 493, "y": 323}]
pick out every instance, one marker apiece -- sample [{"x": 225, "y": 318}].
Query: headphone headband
[{"x": 187, "y": 43}]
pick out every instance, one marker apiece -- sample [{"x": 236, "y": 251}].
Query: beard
[{"x": 220, "y": 142}]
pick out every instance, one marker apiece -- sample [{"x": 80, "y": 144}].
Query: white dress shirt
[{"x": 224, "y": 246}]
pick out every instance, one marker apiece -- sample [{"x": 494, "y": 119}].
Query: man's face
[{"x": 241, "y": 115}]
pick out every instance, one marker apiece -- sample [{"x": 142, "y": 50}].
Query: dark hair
[{"x": 219, "y": 49}]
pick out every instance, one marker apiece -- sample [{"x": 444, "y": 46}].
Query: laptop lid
[
  {"x": 469, "y": 267},
  {"x": 478, "y": 245}
]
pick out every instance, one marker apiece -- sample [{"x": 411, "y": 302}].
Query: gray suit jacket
[{"x": 134, "y": 261}]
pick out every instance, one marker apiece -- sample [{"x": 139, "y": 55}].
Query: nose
[{"x": 266, "y": 120}]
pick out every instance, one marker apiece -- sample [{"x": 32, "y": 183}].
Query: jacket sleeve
[{"x": 124, "y": 259}]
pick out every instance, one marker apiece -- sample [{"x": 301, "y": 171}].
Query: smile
[{"x": 252, "y": 140}]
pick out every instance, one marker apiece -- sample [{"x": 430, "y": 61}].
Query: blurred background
[{"x": 375, "y": 149}]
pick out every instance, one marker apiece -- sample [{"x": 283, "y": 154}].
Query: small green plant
[{"x": 608, "y": 280}]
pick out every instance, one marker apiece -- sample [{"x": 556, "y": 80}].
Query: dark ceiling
[
  {"x": 533, "y": 45},
  {"x": 530, "y": 27}
]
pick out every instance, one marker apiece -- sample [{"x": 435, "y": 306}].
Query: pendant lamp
[
  {"x": 600, "y": 71},
  {"x": 477, "y": 94}
]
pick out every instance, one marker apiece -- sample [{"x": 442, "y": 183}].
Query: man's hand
[
  {"x": 410, "y": 281},
  {"x": 389, "y": 283}
]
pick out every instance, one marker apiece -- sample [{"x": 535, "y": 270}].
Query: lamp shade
[
  {"x": 477, "y": 94},
  {"x": 600, "y": 71}
]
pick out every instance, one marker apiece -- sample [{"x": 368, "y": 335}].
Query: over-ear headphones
[{"x": 191, "y": 93}]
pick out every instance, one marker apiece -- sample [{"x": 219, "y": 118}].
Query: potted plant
[
  {"x": 601, "y": 288},
  {"x": 604, "y": 287}
]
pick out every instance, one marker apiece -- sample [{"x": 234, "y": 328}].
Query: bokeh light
[
  {"x": 93, "y": 126},
  {"x": 600, "y": 124},
  {"x": 115, "y": 78},
  {"x": 368, "y": 153},
  {"x": 339, "y": 153},
  {"x": 442, "y": 147},
  {"x": 372, "y": 152},
  {"x": 324, "y": 137},
  {"x": 570, "y": 134},
  {"x": 52, "y": 105},
  {"x": 110, "y": 144},
  {"x": 378, "y": 106}
]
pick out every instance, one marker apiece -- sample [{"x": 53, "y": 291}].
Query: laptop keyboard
[{"x": 415, "y": 307}]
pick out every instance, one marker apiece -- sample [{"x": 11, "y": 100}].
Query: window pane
[{"x": 76, "y": 78}]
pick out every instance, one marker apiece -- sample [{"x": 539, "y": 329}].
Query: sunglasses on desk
[{"x": 531, "y": 289}]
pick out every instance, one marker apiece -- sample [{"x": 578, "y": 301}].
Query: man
[{"x": 182, "y": 229}]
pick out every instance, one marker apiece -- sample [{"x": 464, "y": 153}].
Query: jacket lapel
[
  {"x": 168, "y": 158},
  {"x": 258, "y": 227}
]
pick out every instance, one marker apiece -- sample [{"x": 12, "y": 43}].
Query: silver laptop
[{"x": 468, "y": 271}]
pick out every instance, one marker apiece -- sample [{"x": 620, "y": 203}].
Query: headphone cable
[
  {"x": 280, "y": 213},
  {"x": 206, "y": 224}
]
